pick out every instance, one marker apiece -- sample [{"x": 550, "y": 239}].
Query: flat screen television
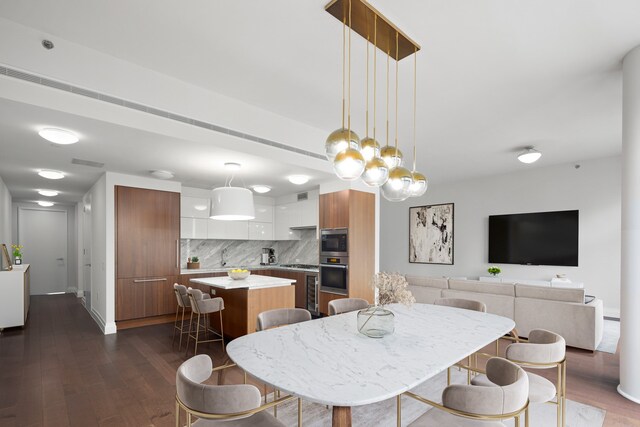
[{"x": 542, "y": 238}]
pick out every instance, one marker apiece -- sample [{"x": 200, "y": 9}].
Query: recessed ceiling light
[
  {"x": 161, "y": 174},
  {"x": 261, "y": 189},
  {"x": 200, "y": 207},
  {"x": 529, "y": 155},
  {"x": 298, "y": 179},
  {"x": 48, "y": 193},
  {"x": 59, "y": 136},
  {"x": 232, "y": 166},
  {"x": 45, "y": 204},
  {"x": 49, "y": 174}
]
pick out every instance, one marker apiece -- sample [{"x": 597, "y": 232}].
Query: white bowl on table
[{"x": 238, "y": 275}]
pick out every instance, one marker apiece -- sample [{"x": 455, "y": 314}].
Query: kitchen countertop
[
  {"x": 254, "y": 281},
  {"x": 185, "y": 271}
]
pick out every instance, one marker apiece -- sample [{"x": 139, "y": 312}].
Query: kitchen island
[{"x": 245, "y": 299}]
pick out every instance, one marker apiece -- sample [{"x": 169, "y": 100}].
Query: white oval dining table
[{"x": 328, "y": 361}]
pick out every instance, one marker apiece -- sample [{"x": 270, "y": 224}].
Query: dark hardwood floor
[{"x": 61, "y": 371}]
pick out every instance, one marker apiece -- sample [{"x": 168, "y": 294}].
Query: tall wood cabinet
[
  {"x": 354, "y": 210},
  {"x": 147, "y": 252}
]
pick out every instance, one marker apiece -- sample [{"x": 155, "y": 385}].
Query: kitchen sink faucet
[{"x": 223, "y": 255}]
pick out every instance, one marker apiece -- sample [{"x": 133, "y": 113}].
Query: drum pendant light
[
  {"x": 419, "y": 185},
  {"x": 232, "y": 203},
  {"x": 349, "y": 163},
  {"x": 396, "y": 189},
  {"x": 376, "y": 171}
]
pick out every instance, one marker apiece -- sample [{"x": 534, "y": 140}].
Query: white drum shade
[{"x": 232, "y": 204}]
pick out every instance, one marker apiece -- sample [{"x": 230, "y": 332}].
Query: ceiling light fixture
[
  {"x": 420, "y": 184},
  {"x": 261, "y": 189},
  {"x": 59, "y": 136},
  {"x": 48, "y": 193},
  {"x": 162, "y": 174},
  {"x": 45, "y": 204},
  {"x": 232, "y": 203},
  {"x": 49, "y": 174},
  {"x": 341, "y": 147},
  {"x": 298, "y": 179},
  {"x": 200, "y": 207},
  {"x": 529, "y": 155}
]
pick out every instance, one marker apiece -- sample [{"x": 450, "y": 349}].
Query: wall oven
[
  {"x": 334, "y": 274},
  {"x": 333, "y": 242}
]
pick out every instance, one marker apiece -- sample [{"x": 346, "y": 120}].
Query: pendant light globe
[
  {"x": 419, "y": 185},
  {"x": 349, "y": 164},
  {"x": 369, "y": 148},
  {"x": 340, "y": 140},
  {"x": 396, "y": 189},
  {"x": 392, "y": 156},
  {"x": 376, "y": 172}
]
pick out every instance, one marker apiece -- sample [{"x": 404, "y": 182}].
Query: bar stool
[
  {"x": 183, "y": 304},
  {"x": 202, "y": 306}
]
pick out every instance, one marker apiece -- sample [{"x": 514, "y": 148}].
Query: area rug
[
  {"x": 610, "y": 336},
  {"x": 384, "y": 413}
]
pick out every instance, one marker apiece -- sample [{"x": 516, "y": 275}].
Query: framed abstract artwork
[{"x": 431, "y": 234}]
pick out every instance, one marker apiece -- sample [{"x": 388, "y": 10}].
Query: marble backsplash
[{"x": 248, "y": 252}]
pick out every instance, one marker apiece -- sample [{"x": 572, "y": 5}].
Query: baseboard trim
[
  {"x": 106, "y": 328},
  {"x": 626, "y": 395},
  {"x": 147, "y": 321}
]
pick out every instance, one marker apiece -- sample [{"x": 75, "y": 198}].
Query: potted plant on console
[
  {"x": 193, "y": 263},
  {"x": 17, "y": 254},
  {"x": 493, "y": 270}
]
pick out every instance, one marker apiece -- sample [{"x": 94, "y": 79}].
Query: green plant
[
  {"x": 17, "y": 250},
  {"x": 195, "y": 259},
  {"x": 493, "y": 270}
]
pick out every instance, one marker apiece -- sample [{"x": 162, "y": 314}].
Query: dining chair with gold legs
[
  {"x": 465, "y": 304},
  {"x": 543, "y": 350},
  {"x": 236, "y": 405},
  {"x": 345, "y": 305},
  {"x": 203, "y": 307},
  {"x": 471, "y": 405},
  {"x": 273, "y": 319}
]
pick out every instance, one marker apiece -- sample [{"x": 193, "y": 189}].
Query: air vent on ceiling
[
  {"x": 303, "y": 196},
  {"x": 87, "y": 163}
]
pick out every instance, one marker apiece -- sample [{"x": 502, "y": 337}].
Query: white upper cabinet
[
  {"x": 264, "y": 213},
  {"x": 194, "y": 207},
  {"x": 286, "y": 217},
  {"x": 193, "y": 228},
  {"x": 260, "y": 230},
  {"x": 229, "y": 230}
]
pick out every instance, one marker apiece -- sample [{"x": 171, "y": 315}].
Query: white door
[
  {"x": 43, "y": 234},
  {"x": 86, "y": 251}
]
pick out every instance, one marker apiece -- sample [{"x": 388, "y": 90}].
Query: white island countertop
[{"x": 254, "y": 281}]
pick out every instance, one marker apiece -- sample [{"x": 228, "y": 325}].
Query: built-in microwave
[
  {"x": 333, "y": 242},
  {"x": 334, "y": 274}
]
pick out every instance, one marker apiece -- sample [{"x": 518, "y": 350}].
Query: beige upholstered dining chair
[
  {"x": 219, "y": 405},
  {"x": 472, "y": 405},
  {"x": 466, "y": 304},
  {"x": 203, "y": 307},
  {"x": 281, "y": 317},
  {"x": 345, "y": 305},
  {"x": 543, "y": 350}
]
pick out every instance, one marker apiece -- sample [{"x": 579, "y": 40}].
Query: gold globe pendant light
[
  {"x": 420, "y": 184},
  {"x": 396, "y": 189},
  {"x": 376, "y": 171},
  {"x": 349, "y": 164},
  {"x": 343, "y": 138}
]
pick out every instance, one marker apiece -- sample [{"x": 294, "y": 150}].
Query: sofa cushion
[
  {"x": 502, "y": 305},
  {"x": 482, "y": 287},
  {"x": 553, "y": 294},
  {"x": 425, "y": 294},
  {"x": 432, "y": 282}
]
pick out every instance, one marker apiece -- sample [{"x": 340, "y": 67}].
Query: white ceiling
[
  {"x": 494, "y": 75},
  {"x": 124, "y": 150}
]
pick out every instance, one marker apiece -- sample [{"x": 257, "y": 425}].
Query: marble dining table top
[{"x": 328, "y": 361}]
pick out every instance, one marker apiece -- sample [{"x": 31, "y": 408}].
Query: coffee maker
[
  {"x": 272, "y": 256},
  {"x": 264, "y": 258}
]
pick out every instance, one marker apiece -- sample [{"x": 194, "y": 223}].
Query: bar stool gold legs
[
  {"x": 399, "y": 410},
  {"x": 203, "y": 323}
]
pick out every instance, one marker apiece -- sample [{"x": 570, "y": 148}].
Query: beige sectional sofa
[{"x": 532, "y": 307}]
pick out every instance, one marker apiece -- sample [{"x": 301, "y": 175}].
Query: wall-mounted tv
[{"x": 542, "y": 238}]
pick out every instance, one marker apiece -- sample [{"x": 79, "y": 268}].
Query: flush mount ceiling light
[
  {"x": 48, "y": 193},
  {"x": 59, "y": 136},
  {"x": 200, "y": 207},
  {"x": 162, "y": 174},
  {"x": 232, "y": 167},
  {"x": 45, "y": 204},
  {"x": 49, "y": 174},
  {"x": 529, "y": 155},
  {"x": 261, "y": 189},
  {"x": 298, "y": 179}
]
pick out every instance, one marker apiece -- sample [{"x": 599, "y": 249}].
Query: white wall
[
  {"x": 72, "y": 241},
  {"x": 593, "y": 189},
  {"x": 5, "y": 216}
]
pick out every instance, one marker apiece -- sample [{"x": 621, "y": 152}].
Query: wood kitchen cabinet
[{"x": 147, "y": 252}]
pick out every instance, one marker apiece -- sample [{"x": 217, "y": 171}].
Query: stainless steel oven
[
  {"x": 334, "y": 274},
  {"x": 334, "y": 242}
]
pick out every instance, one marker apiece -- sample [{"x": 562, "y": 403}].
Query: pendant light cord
[
  {"x": 344, "y": 60},
  {"x": 396, "y": 94},
  {"x": 375, "y": 66},
  {"x": 367, "y": 91},
  {"x": 415, "y": 90},
  {"x": 388, "y": 55},
  {"x": 349, "y": 93}
]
